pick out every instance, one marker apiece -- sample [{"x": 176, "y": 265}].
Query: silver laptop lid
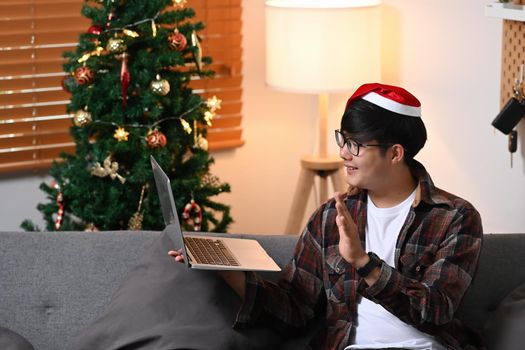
[{"x": 169, "y": 210}]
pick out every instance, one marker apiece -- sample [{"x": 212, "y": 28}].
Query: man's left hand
[{"x": 349, "y": 242}]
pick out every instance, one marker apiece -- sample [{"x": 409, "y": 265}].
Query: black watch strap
[{"x": 374, "y": 262}]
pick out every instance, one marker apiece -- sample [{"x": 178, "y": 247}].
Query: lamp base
[{"x": 312, "y": 166}]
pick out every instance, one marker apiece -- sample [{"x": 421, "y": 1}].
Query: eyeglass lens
[{"x": 352, "y": 146}]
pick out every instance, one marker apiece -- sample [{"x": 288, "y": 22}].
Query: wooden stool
[{"x": 312, "y": 166}]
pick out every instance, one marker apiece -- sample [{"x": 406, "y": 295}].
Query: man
[{"x": 385, "y": 265}]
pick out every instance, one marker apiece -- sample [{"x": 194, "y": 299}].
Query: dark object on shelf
[{"x": 509, "y": 116}]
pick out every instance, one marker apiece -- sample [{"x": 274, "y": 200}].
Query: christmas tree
[{"x": 130, "y": 98}]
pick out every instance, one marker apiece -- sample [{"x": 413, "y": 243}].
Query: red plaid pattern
[{"x": 437, "y": 255}]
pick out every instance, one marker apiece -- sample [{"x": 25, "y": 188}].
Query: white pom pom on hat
[{"x": 389, "y": 97}]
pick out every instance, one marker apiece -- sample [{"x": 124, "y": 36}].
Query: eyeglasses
[{"x": 352, "y": 145}]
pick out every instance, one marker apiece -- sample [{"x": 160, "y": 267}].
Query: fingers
[
  {"x": 341, "y": 225},
  {"x": 341, "y": 207},
  {"x": 344, "y": 220},
  {"x": 177, "y": 255}
]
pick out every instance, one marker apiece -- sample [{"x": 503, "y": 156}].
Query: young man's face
[{"x": 370, "y": 169}]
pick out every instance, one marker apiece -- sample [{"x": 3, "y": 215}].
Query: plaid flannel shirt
[{"x": 437, "y": 253}]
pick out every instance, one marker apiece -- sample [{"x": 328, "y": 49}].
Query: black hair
[{"x": 365, "y": 121}]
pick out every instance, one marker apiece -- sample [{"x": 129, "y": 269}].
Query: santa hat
[{"x": 389, "y": 97}]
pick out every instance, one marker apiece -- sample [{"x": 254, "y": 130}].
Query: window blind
[{"x": 34, "y": 125}]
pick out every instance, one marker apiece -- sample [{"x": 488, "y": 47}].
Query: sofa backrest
[
  {"x": 501, "y": 269},
  {"x": 54, "y": 284}
]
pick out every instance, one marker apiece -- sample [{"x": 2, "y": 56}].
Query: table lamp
[{"x": 318, "y": 47}]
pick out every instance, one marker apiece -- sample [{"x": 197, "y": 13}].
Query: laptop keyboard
[{"x": 210, "y": 251}]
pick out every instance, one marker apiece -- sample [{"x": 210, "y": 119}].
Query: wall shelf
[{"x": 506, "y": 11}]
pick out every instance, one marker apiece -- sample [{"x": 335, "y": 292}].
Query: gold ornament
[
  {"x": 153, "y": 28},
  {"x": 135, "y": 222},
  {"x": 97, "y": 52},
  {"x": 108, "y": 168},
  {"x": 214, "y": 103},
  {"x": 116, "y": 45},
  {"x": 208, "y": 117},
  {"x": 179, "y": 3},
  {"x": 198, "y": 53},
  {"x": 201, "y": 143},
  {"x": 130, "y": 33},
  {"x": 160, "y": 86},
  {"x": 186, "y": 126},
  {"x": 121, "y": 134},
  {"x": 82, "y": 118}
]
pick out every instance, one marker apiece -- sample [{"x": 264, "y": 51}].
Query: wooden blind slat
[
  {"x": 33, "y": 140},
  {"x": 48, "y": 126},
  {"x": 29, "y": 83},
  {"x": 50, "y": 9},
  {"x": 24, "y": 25},
  {"x": 45, "y": 96},
  {"x": 227, "y": 121},
  {"x": 29, "y": 152},
  {"x": 37, "y": 68},
  {"x": 221, "y": 145},
  {"x": 10, "y": 57},
  {"x": 226, "y": 95},
  {"x": 40, "y": 111},
  {"x": 11, "y": 167}
]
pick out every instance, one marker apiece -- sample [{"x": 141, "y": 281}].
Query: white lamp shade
[{"x": 322, "y": 46}]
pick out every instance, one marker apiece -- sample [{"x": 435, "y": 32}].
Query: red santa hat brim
[{"x": 389, "y": 97}]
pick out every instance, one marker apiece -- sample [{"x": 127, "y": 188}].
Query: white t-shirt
[{"x": 377, "y": 327}]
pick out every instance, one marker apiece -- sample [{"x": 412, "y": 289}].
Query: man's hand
[
  {"x": 349, "y": 242},
  {"x": 177, "y": 255}
]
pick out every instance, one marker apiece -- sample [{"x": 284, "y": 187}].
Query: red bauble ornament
[
  {"x": 84, "y": 75},
  {"x": 95, "y": 30},
  {"x": 177, "y": 41},
  {"x": 156, "y": 139}
]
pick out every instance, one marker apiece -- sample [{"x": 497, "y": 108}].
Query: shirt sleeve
[
  {"x": 293, "y": 302},
  {"x": 432, "y": 299}
]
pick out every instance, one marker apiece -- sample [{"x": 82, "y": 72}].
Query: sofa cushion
[
  {"x": 164, "y": 305},
  {"x": 505, "y": 329},
  {"x": 9, "y": 340}
]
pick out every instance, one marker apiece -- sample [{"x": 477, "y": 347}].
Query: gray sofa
[{"x": 54, "y": 284}]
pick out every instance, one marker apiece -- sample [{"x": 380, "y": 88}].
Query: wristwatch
[{"x": 372, "y": 264}]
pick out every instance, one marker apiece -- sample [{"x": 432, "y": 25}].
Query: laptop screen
[{"x": 167, "y": 205}]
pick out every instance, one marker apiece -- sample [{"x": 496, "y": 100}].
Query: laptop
[{"x": 206, "y": 252}]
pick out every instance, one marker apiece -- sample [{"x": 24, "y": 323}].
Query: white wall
[{"x": 446, "y": 52}]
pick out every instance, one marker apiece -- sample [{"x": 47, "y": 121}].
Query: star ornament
[
  {"x": 121, "y": 134},
  {"x": 208, "y": 117},
  {"x": 213, "y": 103},
  {"x": 179, "y": 3}
]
